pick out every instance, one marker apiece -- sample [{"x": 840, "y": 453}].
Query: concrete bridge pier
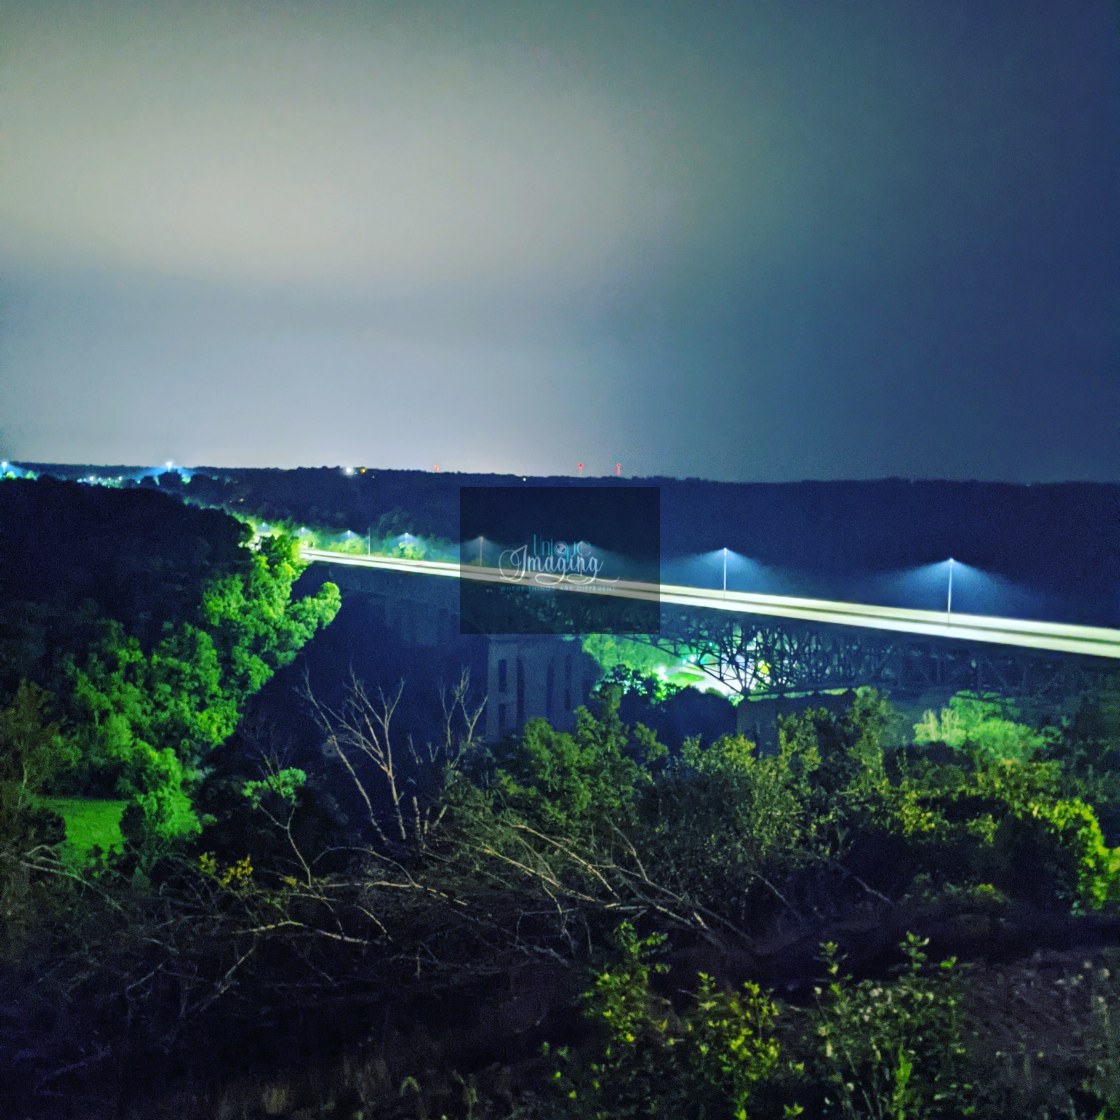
[{"x": 537, "y": 675}]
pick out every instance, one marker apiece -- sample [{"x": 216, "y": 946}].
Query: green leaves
[
  {"x": 984, "y": 728},
  {"x": 148, "y": 719},
  {"x": 256, "y": 626},
  {"x": 283, "y": 784},
  {"x": 584, "y": 784},
  {"x": 892, "y": 1048},
  {"x": 32, "y": 751},
  {"x": 651, "y": 1061}
]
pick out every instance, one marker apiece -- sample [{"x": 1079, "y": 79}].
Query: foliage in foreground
[
  {"x": 693, "y": 889},
  {"x": 649, "y": 1059}
]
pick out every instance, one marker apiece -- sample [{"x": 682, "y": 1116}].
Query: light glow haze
[{"x": 757, "y": 241}]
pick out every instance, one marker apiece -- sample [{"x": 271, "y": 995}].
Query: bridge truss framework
[{"x": 762, "y": 657}]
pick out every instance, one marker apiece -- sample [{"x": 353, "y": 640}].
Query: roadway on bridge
[{"x": 1057, "y": 637}]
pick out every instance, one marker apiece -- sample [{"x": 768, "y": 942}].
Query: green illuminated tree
[
  {"x": 147, "y": 720},
  {"x": 32, "y": 753},
  {"x": 584, "y": 783},
  {"x": 985, "y": 728}
]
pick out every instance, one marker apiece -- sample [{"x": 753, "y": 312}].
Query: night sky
[{"x": 756, "y": 240}]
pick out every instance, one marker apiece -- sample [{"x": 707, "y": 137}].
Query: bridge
[
  {"x": 753, "y": 645},
  {"x": 1047, "y": 637}
]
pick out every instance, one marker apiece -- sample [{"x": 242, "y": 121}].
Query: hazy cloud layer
[{"x": 755, "y": 240}]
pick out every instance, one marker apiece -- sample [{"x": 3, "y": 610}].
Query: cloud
[
  {"x": 755, "y": 239},
  {"x": 267, "y": 145}
]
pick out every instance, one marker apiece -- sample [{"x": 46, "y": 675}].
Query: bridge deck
[{"x": 1057, "y": 637}]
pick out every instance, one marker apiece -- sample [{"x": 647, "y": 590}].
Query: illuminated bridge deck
[{"x": 1056, "y": 637}]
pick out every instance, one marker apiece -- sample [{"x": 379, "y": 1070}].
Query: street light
[
  {"x": 949, "y": 601},
  {"x": 481, "y": 542},
  {"x": 725, "y": 572}
]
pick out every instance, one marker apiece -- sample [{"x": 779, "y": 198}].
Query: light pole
[
  {"x": 949, "y": 601},
  {"x": 369, "y": 542},
  {"x": 725, "y": 573},
  {"x": 481, "y": 541}
]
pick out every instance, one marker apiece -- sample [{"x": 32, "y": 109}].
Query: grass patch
[{"x": 89, "y": 824}]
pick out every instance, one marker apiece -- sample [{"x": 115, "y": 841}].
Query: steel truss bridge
[
  {"x": 763, "y": 657},
  {"x": 769, "y": 645}
]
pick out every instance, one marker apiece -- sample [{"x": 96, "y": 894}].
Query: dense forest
[{"x": 881, "y": 918}]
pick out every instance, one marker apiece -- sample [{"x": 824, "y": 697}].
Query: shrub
[
  {"x": 894, "y": 1049},
  {"x": 706, "y": 1061}
]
